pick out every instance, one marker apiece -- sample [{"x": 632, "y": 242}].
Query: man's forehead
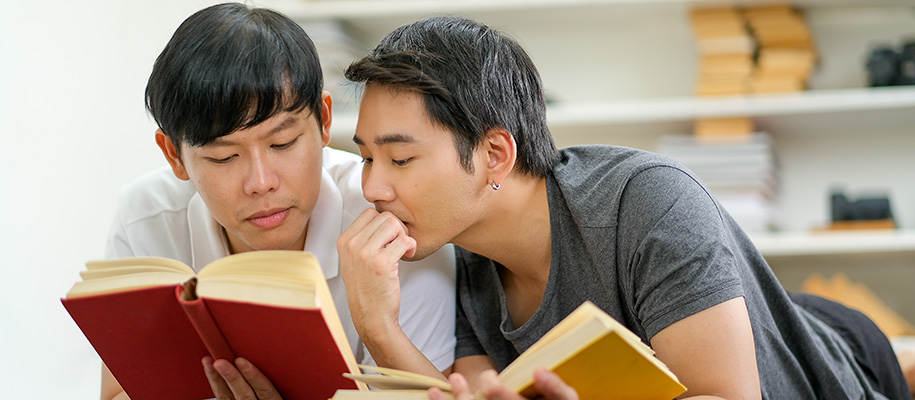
[{"x": 278, "y": 123}]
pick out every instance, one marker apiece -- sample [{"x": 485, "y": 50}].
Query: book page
[
  {"x": 392, "y": 379},
  {"x": 258, "y": 289},
  {"x": 280, "y": 278},
  {"x": 116, "y": 275}
]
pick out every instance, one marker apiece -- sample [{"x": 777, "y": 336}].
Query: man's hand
[
  {"x": 370, "y": 251},
  {"x": 549, "y": 384},
  {"x": 241, "y": 381}
]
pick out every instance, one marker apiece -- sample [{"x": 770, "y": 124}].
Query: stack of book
[
  {"x": 786, "y": 54},
  {"x": 337, "y": 47},
  {"x": 725, "y": 48},
  {"x": 741, "y": 173}
]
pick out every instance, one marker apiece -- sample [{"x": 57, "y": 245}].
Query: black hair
[
  {"x": 472, "y": 79},
  {"x": 230, "y": 67}
]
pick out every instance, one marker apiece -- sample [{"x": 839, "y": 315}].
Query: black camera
[
  {"x": 864, "y": 208},
  {"x": 888, "y": 67}
]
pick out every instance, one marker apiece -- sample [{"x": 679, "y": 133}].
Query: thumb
[{"x": 552, "y": 386}]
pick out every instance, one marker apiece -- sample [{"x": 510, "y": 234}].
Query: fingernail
[
  {"x": 222, "y": 367},
  {"x": 242, "y": 364}
]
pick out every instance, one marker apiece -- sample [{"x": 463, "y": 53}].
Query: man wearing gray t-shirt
[{"x": 453, "y": 134}]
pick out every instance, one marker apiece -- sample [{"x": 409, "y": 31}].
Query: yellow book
[
  {"x": 718, "y": 127},
  {"x": 590, "y": 351}
]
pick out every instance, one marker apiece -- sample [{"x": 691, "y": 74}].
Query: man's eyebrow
[
  {"x": 391, "y": 138},
  {"x": 288, "y": 122}
]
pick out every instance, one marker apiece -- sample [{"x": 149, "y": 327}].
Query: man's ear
[
  {"x": 501, "y": 153},
  {"x": 171, "y": 154},
  {"x": 327, "y": 106}
]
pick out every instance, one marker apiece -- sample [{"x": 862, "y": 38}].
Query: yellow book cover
[{"x": 591, "y": 352}]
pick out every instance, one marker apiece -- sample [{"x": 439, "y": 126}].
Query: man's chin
[{"x": 419, "y": 254}]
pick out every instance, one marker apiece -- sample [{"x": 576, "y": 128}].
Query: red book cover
[
  {"x": 293, "y": 347},
  {"x": 147, "y": 342},
  {"x": 153, "y": 339}
]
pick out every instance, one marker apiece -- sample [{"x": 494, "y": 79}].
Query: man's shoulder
[
  {"x": 155, "y": 192},
  {"x": 342, "y": 165},
  {"x": 591, "y": 179},
  {"x": 601, "y": 159}
]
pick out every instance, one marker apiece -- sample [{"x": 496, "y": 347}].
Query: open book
[
  {"x": 152, "y": 320},
  {"x": 589, "y": 350}
]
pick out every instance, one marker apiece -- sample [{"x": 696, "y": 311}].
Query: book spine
[{"x": 206, "y": 327}]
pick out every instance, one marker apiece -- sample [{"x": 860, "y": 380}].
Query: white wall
[{"x": 73, "y": 129}]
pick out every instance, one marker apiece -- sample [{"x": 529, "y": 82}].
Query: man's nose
[
  {"x": 376, "y": 186},
  {"x": 262, "y": 177}
]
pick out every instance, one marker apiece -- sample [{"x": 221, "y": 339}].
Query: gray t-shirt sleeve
[
  {"x": 675, "y": 256},
  {"x": 467, "y": 342}
]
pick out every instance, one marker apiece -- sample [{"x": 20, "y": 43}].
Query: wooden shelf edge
[
  {"x": 304, "y": 10},
  {"x": 690, "y": 108},
  {"x": 839, "y": 242}
]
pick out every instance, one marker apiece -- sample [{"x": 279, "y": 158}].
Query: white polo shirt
[{"x": 163, "y": 216}]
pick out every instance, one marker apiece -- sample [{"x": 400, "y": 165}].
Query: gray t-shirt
[{"x": 638, "y": 235}]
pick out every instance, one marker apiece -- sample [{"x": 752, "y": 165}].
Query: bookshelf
[
  {"x": 793, "y": 244},
  {"x": 623, "y": 72},
  {"x": 369, "y": 9},
  {"x": 897, "y": 99}
]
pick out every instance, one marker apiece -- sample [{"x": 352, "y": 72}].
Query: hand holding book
[
  {"x": 153, "y": 320},
  {"x": 241, "y": 380},
  {"x": 549, "y": 385},
  {"x": 588, "y": 352}
]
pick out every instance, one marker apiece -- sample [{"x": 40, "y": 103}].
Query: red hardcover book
[{"x": 151, "y": 320}]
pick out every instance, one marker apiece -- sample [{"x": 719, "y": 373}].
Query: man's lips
[{"x": 269, "y": 218}]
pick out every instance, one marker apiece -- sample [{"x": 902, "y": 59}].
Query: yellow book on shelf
[{"x": 589, "y": 350}]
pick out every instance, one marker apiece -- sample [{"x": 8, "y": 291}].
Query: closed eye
[
  {"x": 221, "y": 160},
  {"x": 286, "y": 145},
  {"x": 401, "y": 163},
  {"x": 367, "y": 160}
]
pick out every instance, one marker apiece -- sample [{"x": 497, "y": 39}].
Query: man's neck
[{"x": 515, "y": 231}]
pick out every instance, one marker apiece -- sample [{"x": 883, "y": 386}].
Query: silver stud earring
[{"x": 495, "y": 186}]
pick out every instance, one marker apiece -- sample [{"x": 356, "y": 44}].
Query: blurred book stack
[
  {"x": 786, "y": 54},
  {"x": 725, "y": 51},
  {"x": 337, "y": 47},
  {"x": 741, "y": 172}
]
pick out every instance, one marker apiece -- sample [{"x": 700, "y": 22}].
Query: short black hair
[
  {"x": 230, "y": 67},
  {"x": 472, "y": 79}
]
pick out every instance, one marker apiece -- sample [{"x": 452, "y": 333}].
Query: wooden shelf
[
  {"x": 900, "y": 99},
  {"x": 689, "y": 108},
  {"x": 840, "y": 242},
  {"x": 367, "y": 9}
]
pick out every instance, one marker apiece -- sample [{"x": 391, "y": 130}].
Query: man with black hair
[
  {"x": 244, "y": 125},
  {"x": 453, "y": 133}
]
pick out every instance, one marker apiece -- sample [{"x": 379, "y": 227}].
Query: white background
[{"x": 73, "y": 130}]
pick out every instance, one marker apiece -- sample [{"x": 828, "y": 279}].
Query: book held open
[
  {"x": 152, "y": 320},
  {"x": 592, "y": 352}
]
